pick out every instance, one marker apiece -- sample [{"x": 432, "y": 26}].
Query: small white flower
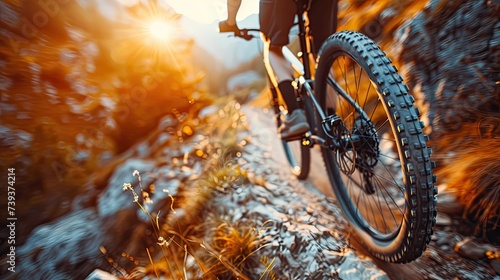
[
  {"x": 136, "y": 173},
  {"x": 162, "y": 241},
  {"x": 127, "y": 186}
]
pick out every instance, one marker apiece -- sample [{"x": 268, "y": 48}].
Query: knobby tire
[{"x": 384, "y": 184}]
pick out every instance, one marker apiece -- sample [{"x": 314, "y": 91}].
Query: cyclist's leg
[
  {"x": 323, "y": 23},
  {"x": 280, "y": 74},
  {"x": 276, "y": 19},
  {"x": 232, "y": 9}
]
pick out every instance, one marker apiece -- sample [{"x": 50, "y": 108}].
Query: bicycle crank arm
[{"x": 322, "y": 142}]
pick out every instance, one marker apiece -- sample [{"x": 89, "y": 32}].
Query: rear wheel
[
  {"x": 297, "y": 153},
  {"x": 378, "y": 161}
]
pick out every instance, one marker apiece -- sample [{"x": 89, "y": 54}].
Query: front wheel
[{"x": 378, "y": 161}]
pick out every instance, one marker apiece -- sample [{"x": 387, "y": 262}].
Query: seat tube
[{"x": 304, "y": 46}]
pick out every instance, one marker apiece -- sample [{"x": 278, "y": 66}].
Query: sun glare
[
  {"x": 152, "y": 31},
  {"x": 160, "y": 30}
]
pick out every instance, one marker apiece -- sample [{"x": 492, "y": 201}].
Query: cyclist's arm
[{"x": 232, "y": 10}]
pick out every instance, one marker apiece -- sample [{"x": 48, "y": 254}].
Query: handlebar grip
[{"x": 247, "y": 36}]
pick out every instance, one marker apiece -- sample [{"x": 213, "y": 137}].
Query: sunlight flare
[
  {"x": 160, "y": 30},
  {"x": 152, "y": 32}
]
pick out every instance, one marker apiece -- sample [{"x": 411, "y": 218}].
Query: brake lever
[
  {"x": 247, "y": 37},
  {"x": 244, "y": 34}
]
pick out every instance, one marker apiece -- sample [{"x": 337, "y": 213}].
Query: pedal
[
  {"x": 292, "y": 138},
  {"x": 305, "y": 138}
]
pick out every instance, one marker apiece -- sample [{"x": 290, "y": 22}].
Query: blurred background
[{"x": 83, "y": 81}]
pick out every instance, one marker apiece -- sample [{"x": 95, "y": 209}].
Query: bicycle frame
[{"x": 305, "y": 80}]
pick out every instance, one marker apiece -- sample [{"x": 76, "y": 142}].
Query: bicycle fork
[
  {"x": 337, "y": 137},
  {"x": 328, "y": 123}
]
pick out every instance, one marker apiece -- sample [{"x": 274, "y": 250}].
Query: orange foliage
[{"x": 77, "y": 88}]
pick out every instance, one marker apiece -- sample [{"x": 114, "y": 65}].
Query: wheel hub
[
  {"x": 342, "y": 144},
  {"x": 367, "y": 150}
]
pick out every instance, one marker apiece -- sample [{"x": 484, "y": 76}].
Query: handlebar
[{"x": 244, "y": 33}]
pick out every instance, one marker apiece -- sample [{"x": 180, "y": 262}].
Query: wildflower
[
  {"x": 162, "y": 241},
  {"x": 127, "y": 186},
  {"x": 138, "y": 174}
]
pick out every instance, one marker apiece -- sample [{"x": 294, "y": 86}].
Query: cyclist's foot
[{"x": 294, "y": 125}]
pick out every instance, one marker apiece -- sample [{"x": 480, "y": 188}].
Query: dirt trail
[{"x": 439, "y": 260}]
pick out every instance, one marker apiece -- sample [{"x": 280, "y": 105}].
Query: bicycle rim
[
  {"x": 298, "y": 154},
  {"x": 382, "y": 175},
  {"x": 298, "y": 157}
]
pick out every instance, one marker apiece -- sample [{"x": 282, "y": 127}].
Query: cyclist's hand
[{"x": 225, "y": 27}]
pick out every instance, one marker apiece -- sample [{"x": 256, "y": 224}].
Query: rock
[
  {"x": 430, "y": 45},
  {"x": 14, "y": 137},
  {"x": 114, "y": 197},
  {"x": 100, "y": 275},
  {"x": 354, "y": 268},
  {"x": 333, "y": 257},
  {"x": 496, "y": 265},
  {"x": 470, "y": 249},
  {"x": 443, "y": 220},
  {"x": 242, "y": 80},
  {"x": 65, "y": 249}
]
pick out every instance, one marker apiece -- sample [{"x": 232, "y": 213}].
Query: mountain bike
[{"x": 363, "y": 118}]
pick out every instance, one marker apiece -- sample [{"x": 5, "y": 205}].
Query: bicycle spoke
[
  {"x": 367, "y": 95},
  {"x": 382, "y": 200},
  {"x": 394, "y": 182},
  {"x": 375, "y": 199},
  {"x": 379, "y": 205},
  {"x": 374, "y": 110}
]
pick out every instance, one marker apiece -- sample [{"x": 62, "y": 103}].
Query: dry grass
[
  {"x": 197, "y": 240},
  {"x": 473, "y": 177},
  {"x": 233, "y": 249}
]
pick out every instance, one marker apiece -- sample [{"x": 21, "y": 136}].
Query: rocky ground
[
  {"x": 310, "y": 237},
  {"x": 440, "y": 260},
  {"x": 304, "y": 232}
]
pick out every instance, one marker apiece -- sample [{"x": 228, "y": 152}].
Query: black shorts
[{"x": 276, "y": 19}]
